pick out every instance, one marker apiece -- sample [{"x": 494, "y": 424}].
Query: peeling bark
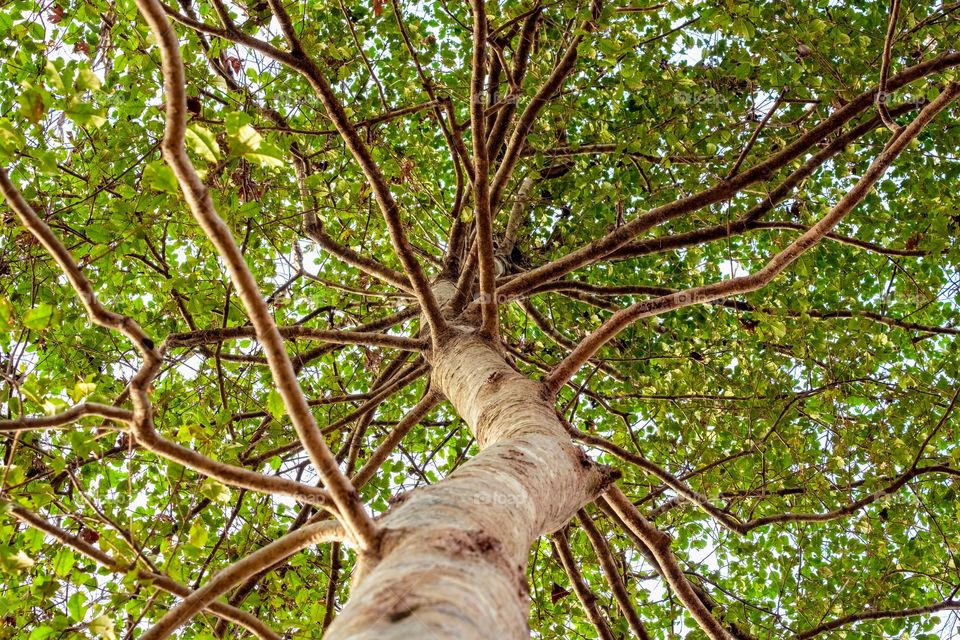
[{"x": 453, "y": 555}]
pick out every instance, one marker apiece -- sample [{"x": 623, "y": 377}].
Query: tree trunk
[{"x": 452, "y": 563}]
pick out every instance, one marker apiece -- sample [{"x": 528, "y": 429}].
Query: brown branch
[
  {"x": 315, "y": 231},
  {"x": 68, "y": 417},
  {"x": 330, "y": 598},
  {"x": 414, "y": 373},
  {"x": 880, "y": 614},
  {"x": 229, "y": 32},
  {"x": 882, "y": 95},
  {"x": 842, "y": 239},
  {"x": 457, "y": 152},
  {"x": 580, "y": 586},
  {"x": 396, "y": 435},
  {"x": 602, "y": 549},
  {"x": 198, "y": 199},
  {"x": 623, "y": 234},
  {"x": 498, "y": 130},
  {"x": 518, "y": 139},
  {"x": 573, "y": 286},
  {"x": 780, "y": 261},
  {"x": 764, "y": 492},
  {"x": 731, "y": 522},
  {"x": 659, "y": 545},
  {"x": 228, "y": 577},
  {"x": 756, "y": 134},
  {"x": 142, "y": 426},
  {"x": 750, "y": 219},
  {"x": 298, "y": 61},
  {"x": 363, "y": 54},
  {"x": 210, "y": 336},
  {"x": 386, "y": 116},
  {"x": 160, "y": 580},
  {"x": 378, "y": 184},
  {"x": 590, "y": 149},
  {"x": 515, "y": 219},
  {"x": 481, "y": 179}
]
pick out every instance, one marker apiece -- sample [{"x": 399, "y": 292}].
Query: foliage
[{"x": 800, "y": 398}]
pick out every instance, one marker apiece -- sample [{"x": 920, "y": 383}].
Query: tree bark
[{"x": 452, "y": 559}]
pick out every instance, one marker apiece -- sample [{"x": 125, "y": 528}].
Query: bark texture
[{"x": 453, "y": 556}]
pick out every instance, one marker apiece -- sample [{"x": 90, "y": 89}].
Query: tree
[{"x": 450, "y": 321}]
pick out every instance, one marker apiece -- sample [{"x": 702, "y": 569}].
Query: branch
[
  {"x": 209, "y": 336},
  {"x": 298, "y": 61},
  {"x": 498, "y": 131},
  {"x": 752, "y": 217},
  {"x": 745, "y": 284},
  {"x": 228, "y": 577},
  {"x": 386, "y": 116},
  {"x": 580, "y": 586},
  {"x": 457, "y": 152},
  {"x": 944, "y": 605},
  {"x": 659, "y": 545},
  {"x": 515, "y": 219},
  {"x": 198, "y": 198},
  {"x": 481, "y": 179},
  {"x": 736, "y": 631},
  {"x": 609, "y": 565},
  {"x": 882, "y": 95},
  {"x": 623, "y": 234},
  {"x": 164, "y": 582},
  {"x": 142, "y": 425},
  {"x": 408, "y": 422},
  {"x": 363, "y": 54},
  {"x": 588, "y": 293},
  {"x": 756, "y": 134},
  {"x": 734, "y": 524},
  {"x": 68, "y": 417},
  {"x": 378, "y": 184},
  {"x": 414, "y": 372},
  {"x": 315, "y": 231},
  {"x": 518, "y": 139},
  {"x": 612, "y": 147}
]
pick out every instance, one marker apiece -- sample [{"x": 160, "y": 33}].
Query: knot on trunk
[{"x": 603, "y": 475}]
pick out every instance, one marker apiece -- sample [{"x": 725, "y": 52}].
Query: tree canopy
[{"x": 638, "y": 166}]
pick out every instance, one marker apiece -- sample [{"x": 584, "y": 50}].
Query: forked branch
[
  {"x": 776, "y": 265},
  {"x": 348, "y": 502},
  {"x": 232, "y": 575}
]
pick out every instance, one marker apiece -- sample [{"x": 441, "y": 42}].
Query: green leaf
[
  {"x": 6, "y": 314},
  {"x": 268, "y": 155},
  {"x": 203, "y": 142},
  {"x": 81, "y": 390},
  {"x": 247, "y": 142},
  {"x": 84, "y": 113},
  {"x": 11, "y": 140},
  {"x": 39, "y": 317},
  {"x": 52, "y": 73},
  {"x": 15, "y": 561},
  {"x": 41, "y": 633},
  {"x": 46, "y": 161},
  {"x": 235, "y": 120},
  {"x": 87, "y": 80},
  {"x": 275, "y": 405},
  {"x": 159, "y": 177},
  {"x": 245, "y": 139},
  {"x": 63, "y": 562},
  {"x": 32, "y": 103},
  {"x": 77, "y": 606},
  {"x": 215, "y": 491},
  {"x": 199, "y": 534},
  {"x": 103, "y": 627}
]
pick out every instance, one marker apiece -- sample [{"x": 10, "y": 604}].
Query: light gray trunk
[{"x": 453, "y": 559}]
